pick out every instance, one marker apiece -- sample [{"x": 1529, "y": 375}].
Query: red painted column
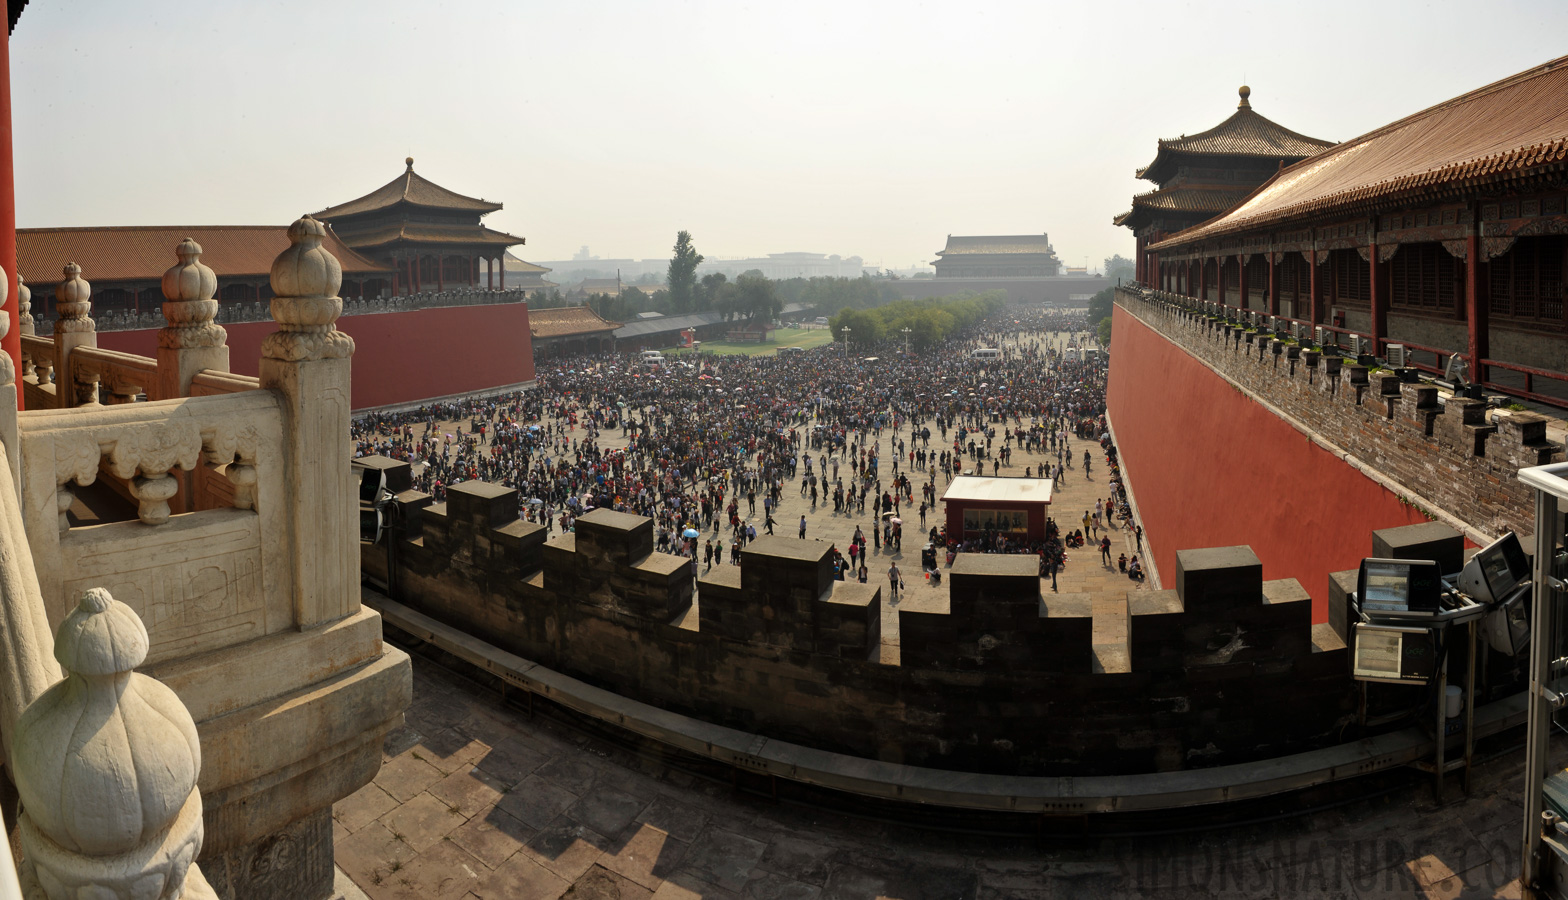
[
  {"x": 1480, "y": 331},
  {"x": 1314, "y": 289},
  {"x": 1274, "y": 285},
  {"x": 1203, "y": 279},
  {"x": 12, "y": 344},
  {"x": 1241, "y": 279},
  {"x": 501, "y": 264},
  {"x": 440, "y": 273},
  {"x": 1379, "y": 301}
]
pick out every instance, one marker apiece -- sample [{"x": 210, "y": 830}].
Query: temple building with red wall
[
  {"x": 1440, "y": 234},
  {"x": 432, "y": 237}
]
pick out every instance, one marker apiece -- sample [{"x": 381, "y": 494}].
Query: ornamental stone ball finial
[
  {"x": 410, "y": 162},
  {"x": 106, "y": 763},
  {"x": 1245, "y": 92},
  {"x": 73, "y": 301},
  {"x": 24, "y": 304},
  {"x": 188, "y": 304},
  {"x": 305, "y": 303}
]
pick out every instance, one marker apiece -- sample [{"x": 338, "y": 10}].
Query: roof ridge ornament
[{"x": 1244, "y": 92}]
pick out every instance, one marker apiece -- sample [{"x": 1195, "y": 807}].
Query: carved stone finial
[
  {"x": 188, "y": 307},
  {"x": 73, "y": 301},
  {"x": 24, "y": 305},
  {"x": 305, "y": 282},
  {"x": 106, "y": 765}
]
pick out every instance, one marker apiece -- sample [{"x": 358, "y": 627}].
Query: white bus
[{"x": 986, "y": 353}]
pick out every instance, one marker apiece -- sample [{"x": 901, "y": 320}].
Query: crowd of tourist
[{"x": 711, "y": 443}]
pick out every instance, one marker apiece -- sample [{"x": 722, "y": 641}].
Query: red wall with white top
[
  {"x": 399, "y": 357},
  {"x": 1211, "y": 467}
]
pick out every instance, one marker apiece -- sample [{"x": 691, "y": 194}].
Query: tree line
[{"x": 930, "y": 321}]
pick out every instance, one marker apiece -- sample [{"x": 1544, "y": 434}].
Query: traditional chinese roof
[
  {"x": 1246, "y": 133},
  {"x": 15, "y": 8},
  {"x": 567, "y": 321},
  {"x": 1506, "y": 132},
  {"x": 412, "y": 188},
  {"x": 429, "y": 233},
  {"x": 968, "y": 245},
  {"x": 1210, "y": 200},
  {"x": 143, "y": 253},
  {"x": 515, "y": 265}
]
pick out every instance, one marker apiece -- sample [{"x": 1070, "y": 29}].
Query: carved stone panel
[{"x": 196, "y": 582}]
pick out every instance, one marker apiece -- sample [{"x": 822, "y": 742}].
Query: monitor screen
[
  {"x": 369, "y": 484},
  {"x": 1392, "y": 654},
  {"x": 1398, "y": 586},
  {"x": 1387, "y": 587}
]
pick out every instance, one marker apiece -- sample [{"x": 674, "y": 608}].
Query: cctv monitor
[
  {"x": 1392, "y": 654},
  {"x": 1398, "y": 587},
  {"x": 370, "y": 481},
  {"x": 1495, "y": 570},
  {"x": 1507, "y": 626}
]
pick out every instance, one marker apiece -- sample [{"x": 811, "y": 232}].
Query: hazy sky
[{"x": 848, "y": 127}]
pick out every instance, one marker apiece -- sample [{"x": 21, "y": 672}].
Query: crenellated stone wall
[
  {"x": 1444, "y": 455},
  {"x": 1224, "y": 667}
]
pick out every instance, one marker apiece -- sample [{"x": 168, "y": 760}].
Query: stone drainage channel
[{"x": 1050, "y": 808}]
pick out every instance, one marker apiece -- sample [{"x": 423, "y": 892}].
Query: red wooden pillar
[
  {"x": 1314, "y": 289},
  {"x": 1154, "y": 269},
  {"x": 440, "y": 273},
  {"x": 500, "y": 263},
  {"x": 1274, "y": 285},
  {"x": 12, "y": 344},
  {"x": 1241, "y": 280},
  {"x": 1203, "y": 279},
  {"x": 1379, "y": 301},
  {"x": 1475, "y": 302}
]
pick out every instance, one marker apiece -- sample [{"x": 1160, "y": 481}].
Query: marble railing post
[
  {"x": 75, "y": 328},
  {"x": 307, "y": 362},
  {"x": 189, "y": 342}
]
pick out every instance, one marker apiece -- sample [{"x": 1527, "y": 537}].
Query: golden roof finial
[{"x": 1245, "y": 92}]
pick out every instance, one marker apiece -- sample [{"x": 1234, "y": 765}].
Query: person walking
[
  {"x": 802, "y": 526},
  {"x": 770, "y": 523},
  {"x": 1105, "y": 550},
  {"x": 895, "y": 580}
]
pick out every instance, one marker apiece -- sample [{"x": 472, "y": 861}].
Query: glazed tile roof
[
  {"x": 1245, "y": 133},
  {"x": 143, "y": 253},
  {"x": 1503, "y": 132},
  {"x": 410, "y": 187},
  {"x": 567, "y": 321},
  {"x": 429, "y": 233},
  {"x": 668, "y": 323},
  {"x": 513, "y": 264},
  {"x": 1192, "y": 199},
  {"x": 963, "y": 245}
]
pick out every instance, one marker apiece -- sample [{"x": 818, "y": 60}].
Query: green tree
[
  {"x": 865, "y": 328},
  {"x": 682, "y": 279},
  {"x": 755, "y": 297},
  {"x": 1105, "y": 332},
  {"x": 1119, "y": 266},
  {"x": 708, "y": 292},
  {"x": 1100, "y": 304}
]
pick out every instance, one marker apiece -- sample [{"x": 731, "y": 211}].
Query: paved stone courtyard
[{"x": 478, "y": 801}]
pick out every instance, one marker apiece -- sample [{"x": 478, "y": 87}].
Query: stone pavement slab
[{"x": 679, "y": 837}]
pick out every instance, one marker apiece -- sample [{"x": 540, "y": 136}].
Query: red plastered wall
[
  {"x": 399, "y": 357},
  {"x": 1210, "y": 467}
]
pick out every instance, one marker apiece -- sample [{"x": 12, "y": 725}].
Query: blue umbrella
[{"x": 691, "y": 533}]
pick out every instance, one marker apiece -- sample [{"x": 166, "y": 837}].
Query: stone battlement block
[
  {"x": 608, "y": 537},
  {"x": 1213, "y": 582},
  {"x": 1427, "y": 540},
  {"x": 848, "y": 621},
  {"x": 397, "y": 475},
  {"x": 481, "y": 504},
  {"x": 782, "y": 567},
  {"x": 995, "y": 589}
]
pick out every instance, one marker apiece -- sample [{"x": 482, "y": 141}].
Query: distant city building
[
  {"x": 1206, "y": 174},
  {"x": 1011, "y": 256}
]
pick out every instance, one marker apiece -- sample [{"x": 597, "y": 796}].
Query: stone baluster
[
  {"x": 190, "y": 341},
  {"x": 8, "y": 389},
  {"x": 307, "y": 362},
  {"x": 24, "y": 308},
  {"x": 72, "y": 299},
  {"x": 106, "y": 763}
]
